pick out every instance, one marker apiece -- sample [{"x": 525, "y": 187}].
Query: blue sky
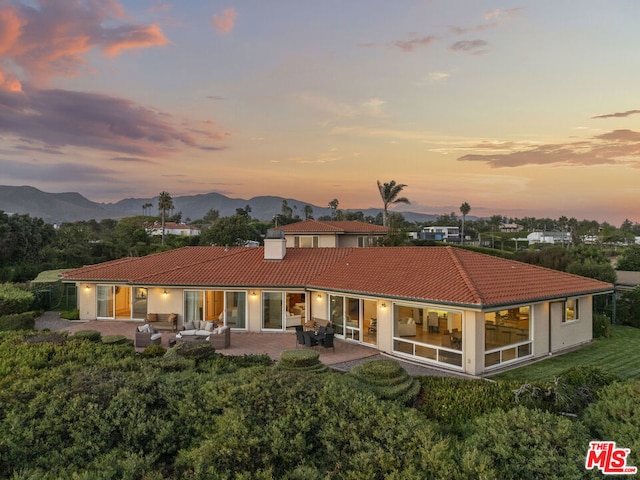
[{"x": 519, "y": 109}]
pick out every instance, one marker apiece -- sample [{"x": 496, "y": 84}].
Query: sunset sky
[{"x": 519, "y": 109}]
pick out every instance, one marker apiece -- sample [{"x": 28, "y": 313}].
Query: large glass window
[
  {"x": 429, "y": 333},
  {"x": 193, "y": 305},
  {"x": 272, "y": 310},
  {"x": 214, "y": 305},
  {"x": 296, "y": 309},
  {"x": 139, "y": 302},
  {"x": 105, "y": 307},
  {"x": 236, "y": 310},
  {"x": 507, "y": 335},
  {"x": 336, "y": 314}
]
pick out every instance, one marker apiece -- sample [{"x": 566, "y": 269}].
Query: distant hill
[{"x": 72, "y": 207}]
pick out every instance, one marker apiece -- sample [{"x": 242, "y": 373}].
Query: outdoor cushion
[
  {"x": 152, "y": 317},
  {"x": 209, "y": 326},
  {"x": 155, "y": 336},
  {"x": 190, "y": 325}
]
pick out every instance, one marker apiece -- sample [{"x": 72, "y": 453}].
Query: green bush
[
  {"x": 90, "y": 335},
  {"x": 18, "y": 321},
  {"x": 192, "y": 350},
  {"x": 454, "y": 402},
  {"x": 154, "y": 351},
  {"x": 303, "y": 360},
  {"x": 14, "y": 299},
  {"x": 523, "y": 443},
  {"x": 115, "y": 340},
  {"x": 601, "y": 326},
  {"x": 70, "y": 314},
  {"x": 616, "y": 417},
  {"x": 387, "y": 380}
]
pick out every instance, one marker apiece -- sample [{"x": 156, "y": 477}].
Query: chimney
[{"x": 275, "y": 245}]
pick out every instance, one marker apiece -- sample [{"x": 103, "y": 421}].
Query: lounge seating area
[{"x": 219, "y": 337}]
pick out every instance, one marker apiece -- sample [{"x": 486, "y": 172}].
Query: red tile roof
[
  {"x": 331, "y": 226},
  {"x": 435, "y": 274}
]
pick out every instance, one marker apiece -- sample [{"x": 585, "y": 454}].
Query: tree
[
  {"x": 146, "y": 206},
  {"x": 630, "y": 259},
  {"x": 389, "y": 193},
  {"x": 464, "y": 209},
  {"x": 308, "y": 212},
  {"x": 165, "y": 204},
  {"x": 333, "y": 205}
]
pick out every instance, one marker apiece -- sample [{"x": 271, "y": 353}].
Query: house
[
  {"x": 549, "y": 237},
  {"x": 444, "y": 306},
  {"x": 172, "y": 228},
  {"x": 444, "y": 234},
  {"x": 510, "y": 228},
  {"x": 332, "y": 234}
]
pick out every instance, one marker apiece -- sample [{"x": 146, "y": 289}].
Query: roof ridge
[{"x": 453, "y": 254}]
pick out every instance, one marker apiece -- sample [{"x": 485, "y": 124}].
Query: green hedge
[
  {"x": 14, "y": 299},
  {"x": 20, "y": 321},
  {"x": 387, "y": 380},
  {"x": 304, "y": 360}
]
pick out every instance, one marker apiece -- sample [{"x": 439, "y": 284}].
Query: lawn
[{"x": 619, "y": 354}]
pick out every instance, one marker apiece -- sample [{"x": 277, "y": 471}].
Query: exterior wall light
[
  {"x": 383, "y": 305},
  {"x": 319, "y": 297},
  {"x": 87, "y": 287},
  {"x": 253, "y": 293},
  {"x": 165, "y": 293}
]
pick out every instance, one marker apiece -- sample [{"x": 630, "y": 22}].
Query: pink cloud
[
  {"x": 9, "y": 82},
  {"x": 99, "y": 122},
  {"x": 410, "y": 45},
  {"x": 612, "y": 148},
  {"x": 52, "y": 38},
  {"x": 224, "y": 23}
]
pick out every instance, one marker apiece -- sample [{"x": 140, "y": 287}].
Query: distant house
[
  {"x": 443, "y": 234},
  {"x": 443, "y": 306},
  {"x": 510, "y": 227},
  {"x": 549, "y": 237},
  {"x": 332, "y": 234},
  {"x": 171, "y": 228}
]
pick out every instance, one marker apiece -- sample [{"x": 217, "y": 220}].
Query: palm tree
[
  {"x": 165, "y": 203},
  {"x": 333, "y": 205},
  {"x": 145, "y": 207},
  {"x": 389, "y": 193},
  {"x": 464, "y": 209}
]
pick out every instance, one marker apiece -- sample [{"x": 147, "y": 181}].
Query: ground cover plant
[{"x": 73, "y": 407}]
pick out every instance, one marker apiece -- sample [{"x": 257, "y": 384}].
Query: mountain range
[{"x": 58, "y": 208}]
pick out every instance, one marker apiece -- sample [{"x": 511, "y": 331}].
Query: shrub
[
  {"x": 90, "y": 335},
  {"x": 14, "y": 299},
  {"x": 387, "y": 380},
  {"x": 115, "y": 339},
  {"x": 616, "y": 417},
  {"x": 524, "y": 443},
  {"x": 192, "y": 350},
  {"x": 301, "y": 361},
  {"x": 18, "y": 321},
  {"x": 70, "y": 314},
  {"x": 154, "y": 351},
  {"x": 57, "y": 338},
  {"x": 455, "y": 401},
  {"x": 601, "y": 326}
]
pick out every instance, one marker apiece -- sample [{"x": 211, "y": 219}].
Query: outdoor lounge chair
[
  {"x": 146, "y": 335},
  {"x": 327, "y": 341}
]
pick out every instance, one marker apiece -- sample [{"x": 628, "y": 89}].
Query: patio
[{"x": 242, "y": 343}]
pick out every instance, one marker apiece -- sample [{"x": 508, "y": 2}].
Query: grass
[{"x": 619, "y": 354}]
